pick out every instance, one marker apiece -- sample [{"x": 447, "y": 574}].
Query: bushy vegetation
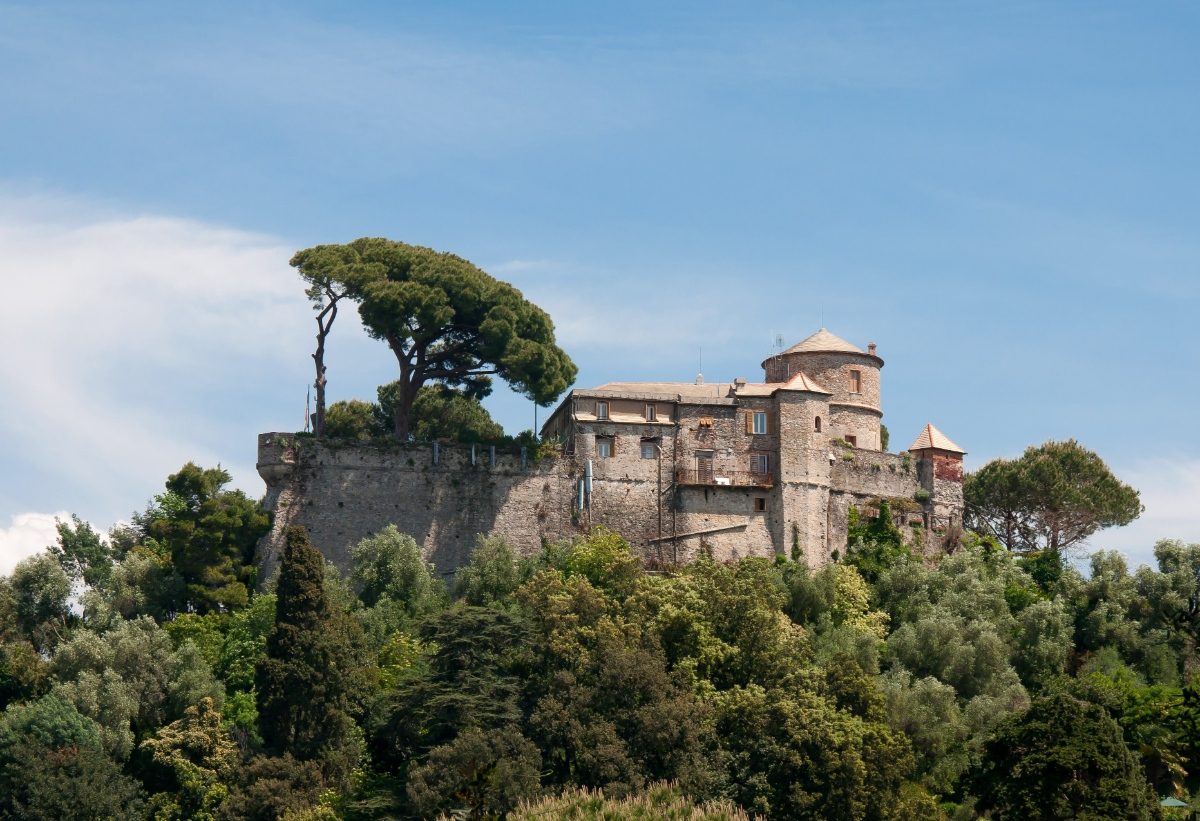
[
  {"x": 142, "y": 676},
  {"x": 438, "y": 414}
]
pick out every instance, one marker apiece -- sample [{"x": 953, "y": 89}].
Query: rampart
[
  {"x": 444, "y": 496},
  {"x": 440, "y": 495}
]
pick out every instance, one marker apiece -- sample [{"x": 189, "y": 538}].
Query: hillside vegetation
[{"x": 575, "y": 684}]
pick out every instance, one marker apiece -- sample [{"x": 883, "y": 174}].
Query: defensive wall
[
  {"x": 440, "y": 495},
  {"x": 444, "y": 496}
]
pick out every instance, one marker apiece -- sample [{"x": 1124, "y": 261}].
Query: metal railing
[{"x": 723, "y": 478}]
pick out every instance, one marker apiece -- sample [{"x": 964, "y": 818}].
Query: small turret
[
  {"x": 940, "y": 472},
  {"x": 937, "y": 447}
]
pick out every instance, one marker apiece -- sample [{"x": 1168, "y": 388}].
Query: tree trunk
[
  {"x": 319, "y": 384},
  {"x": 318, "y": 356},
  {"x": 410, "y": 382},
  {"x": 403, "y": 410}
]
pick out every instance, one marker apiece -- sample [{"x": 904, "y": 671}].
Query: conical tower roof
[
  {"x": 931, "y": 437},
  {"x": 824, "y": 342}
]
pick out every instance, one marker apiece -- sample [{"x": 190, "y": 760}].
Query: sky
[{"x": 1003, "y": 196}]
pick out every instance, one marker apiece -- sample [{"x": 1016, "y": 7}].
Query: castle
[{"x": 679, "y": 468}]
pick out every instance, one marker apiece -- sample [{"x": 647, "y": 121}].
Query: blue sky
[{"x": 1002, "y": 196}]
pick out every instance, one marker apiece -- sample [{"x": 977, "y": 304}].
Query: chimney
[
  {"x": 740, "y": 381},
  {"x": 871, "y": 349}
]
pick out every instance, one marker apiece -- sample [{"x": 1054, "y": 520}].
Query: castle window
[
  {"x": 855, "y": 381},
  {"x": 651, "y": 413},
  {"x": 604, "y": 447},
  {"x": 852, "y": 440},
  {"x": 817, "y": 424},
  {"x": 760, "y": 463},
  {"x": 759, "y": 422},
  {"x": 649, "y": 450},
  {"x": 760, "y": 504},
  {"x": 601, "y": 410}
]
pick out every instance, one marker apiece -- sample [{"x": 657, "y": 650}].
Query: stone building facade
[{"x": 729, "y": 470}]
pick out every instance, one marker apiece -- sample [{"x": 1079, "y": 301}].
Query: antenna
[{"x": 775, "y": 357}]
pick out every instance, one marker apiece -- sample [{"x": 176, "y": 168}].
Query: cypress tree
[{"x": 305, "y": 683}]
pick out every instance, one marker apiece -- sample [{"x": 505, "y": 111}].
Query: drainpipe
[
  {"x": 658, "y": 448},
  {"x": 587, "y": 488},
  {"x": 675, "y": 492}
]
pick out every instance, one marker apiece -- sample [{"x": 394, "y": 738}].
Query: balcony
[{"x": 723, "y": 478}]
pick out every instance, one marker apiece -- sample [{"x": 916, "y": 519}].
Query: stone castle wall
[{"x": 343, "y": 493}]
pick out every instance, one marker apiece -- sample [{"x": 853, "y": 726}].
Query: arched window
[{"x": 817, "y": 424}]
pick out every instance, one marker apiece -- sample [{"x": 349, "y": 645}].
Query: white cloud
[
  {"x": 1170, "y": 491},
  {"x": 134, "y": 343},
  {"x": 28, "y": 533}
]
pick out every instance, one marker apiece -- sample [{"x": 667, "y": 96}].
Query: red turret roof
[{"x": 932, "y": 438}]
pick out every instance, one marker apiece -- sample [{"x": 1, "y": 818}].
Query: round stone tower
[{"x": 849, "y": 373}]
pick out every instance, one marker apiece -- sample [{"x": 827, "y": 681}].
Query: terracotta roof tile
[
  {"x": 689, "y": 389},
  {"x": 756, "y": 389},
  {"x": 931, "y": 437},
  {"x": 801, "y": 382},
  {"x": 823, "y": 342}
]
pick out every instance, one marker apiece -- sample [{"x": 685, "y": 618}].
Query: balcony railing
[{"x": 723, "y": 478}]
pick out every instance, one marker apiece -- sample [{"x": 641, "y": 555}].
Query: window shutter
[
  {"x": 770, "y": 422},
  {"x": 749, "y": 421}
]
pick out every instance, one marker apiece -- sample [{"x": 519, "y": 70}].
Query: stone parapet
[
  {"x": 440, "y": 495},
  {"x": 445, "y": 496}
]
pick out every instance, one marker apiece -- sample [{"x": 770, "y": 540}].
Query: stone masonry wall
[
  {"x": 856, "y": 478},
  {"x": 832, "y": 372},
  {"x": 855, "y": 414},
  {"x": 941, "y": 474},
  {"x": 873, "y": 473},
  {"x": 721, "y": 522},
  {"x": 345, "y": 493}
]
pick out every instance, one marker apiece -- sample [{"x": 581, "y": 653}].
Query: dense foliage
[
  {"x": 438, "y": 413},
  {"x": 142, "y": 676}
]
